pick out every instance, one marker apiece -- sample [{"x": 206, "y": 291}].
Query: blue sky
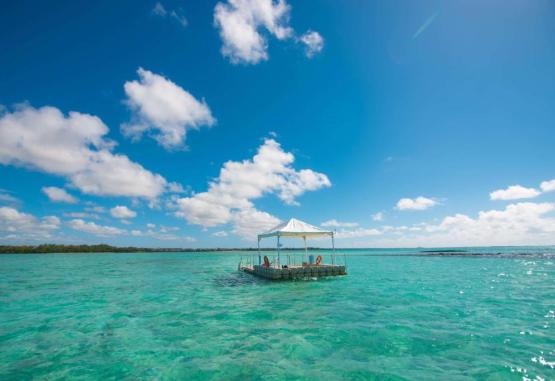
[{"x": 395, "y": 123}]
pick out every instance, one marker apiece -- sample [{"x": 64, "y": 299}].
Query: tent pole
[
  {"x": 278, "y": 251},
  {"x": 258, "y": 250},
  {"x": 305, "y": 250},
  {"x": 333, "y": 249}
]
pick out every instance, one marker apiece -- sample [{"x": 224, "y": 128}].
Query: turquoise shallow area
[{"x": 193, "y": 316}]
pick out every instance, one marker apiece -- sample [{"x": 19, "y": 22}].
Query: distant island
[{"x": 103, "y": 248}]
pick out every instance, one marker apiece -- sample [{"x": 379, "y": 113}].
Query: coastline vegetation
[{"x": 103, "y": 248}]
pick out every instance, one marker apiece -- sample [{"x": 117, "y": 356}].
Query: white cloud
[
  {"x": 336, "y": 224},
  {"x": 59, "y": 195},
  {"x": 419, "y": 203},
  {"x": 514, "y": 192},
  {"x": 175, "y": 188},
  {"x": 7, "y": 198},
  {"x": 81, "y": 215},
  {"x": 239, "y": 22},
  {"x": 314, "y": 43},
  {"x": 120, "y": 211},
  {"x": 75, "y": 147},
  {"x": 187, "y": 238},
  {"x": 23, "y": 226},
  {"x": 244, "y": 25},
  {"x": 377, "y": 216},
  {"x": 518, "y": 224},
  {"x": 163, "y": 108},
  {"x": 203, "y": 209},
  {"x": 524, "y": 223},
  {"x": 164, "y": 233},
  {"x": 220, "y": 234},
  {"x": 548, "y": 186},
  {"x": 167, "y": 229},
  {"x": 160, "y": 10},
  {"x": 96, "y": 209},
  {"x": 357, "y": 233},
  {"x": 229, "y": 197},
  {"x": 95, "y": 229},
  {"x": 180, "y": 18},
  {"x": 117, "y": 175},
  {"x": 50, "y": 222},
  {"x": 150, "y": 226},
  {"x": 247, "y": 223}
]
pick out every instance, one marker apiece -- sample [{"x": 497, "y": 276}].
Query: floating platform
[{"x": 295, "y": 272}]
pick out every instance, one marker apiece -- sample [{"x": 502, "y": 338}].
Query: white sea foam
[{"x": 543, "y": 361}]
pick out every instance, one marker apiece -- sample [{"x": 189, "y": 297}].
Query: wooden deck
[{"x": 295, "y": 272}]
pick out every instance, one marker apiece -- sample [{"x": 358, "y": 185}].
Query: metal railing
[{"x": 292, "y": 259}]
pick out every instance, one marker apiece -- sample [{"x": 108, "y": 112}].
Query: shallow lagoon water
[{"x": 193, "y": 316}]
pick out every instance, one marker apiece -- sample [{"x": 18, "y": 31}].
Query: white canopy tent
[{"x": 297, "y": 229}]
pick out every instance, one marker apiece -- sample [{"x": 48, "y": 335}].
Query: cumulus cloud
[
  {"x": 336, "y": 224},
  {"x": 17, "y": 225},
  {"x": 247, "y": 223},
  {"x": 419, "y": 203},
  {"x": 122, "y": 212},
  {"x": 548, "y": 186},
  {"x": 518, "y": 224},
  {"x": 175, "y": 188},
  {"x": 314, "y": 43},
  {"x": 220, "y": 234},
  {"x": 59, "y": 195},
  {"x": 524, "y": 223},
  {"x": 229, "y": 196},
  {"x": 75, "y": 147},
  {"x": 244, "y": 25},
  {"x": 239, "y": 22},
  {"x": 94, "y": 228},
  {"x": 177, "y": 15},
  {"x": 163, "y": 108},
  {"x": 514, "y": 192},
  {"x": 203, "y": 209}
]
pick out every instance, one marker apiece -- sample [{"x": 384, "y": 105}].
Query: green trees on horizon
[{"x": 104, "y": 248}]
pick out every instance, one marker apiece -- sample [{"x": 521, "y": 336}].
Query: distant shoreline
[
  {"x": 103, "y": 248},
  {"x": 77, "y": 249}
]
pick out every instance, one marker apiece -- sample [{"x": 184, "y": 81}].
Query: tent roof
[{"x": 295, "y": 228}]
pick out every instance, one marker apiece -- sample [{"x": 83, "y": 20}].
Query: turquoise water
[{"x": 192, "y": 316}]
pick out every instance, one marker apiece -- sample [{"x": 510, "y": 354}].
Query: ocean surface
[{"x": 192, "y": 316}]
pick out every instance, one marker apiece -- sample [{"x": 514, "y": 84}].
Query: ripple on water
[{"x": 194, "y": 316}]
